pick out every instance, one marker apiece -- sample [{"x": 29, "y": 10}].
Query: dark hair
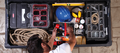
[{"x": 34, "y": 44}]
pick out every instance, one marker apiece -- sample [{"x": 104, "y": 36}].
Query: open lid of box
[{"x": 48, "y": 1}]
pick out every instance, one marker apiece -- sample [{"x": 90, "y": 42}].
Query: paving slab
[
  {"x": 16, "y": 50},
  {"x": 110, "y": 49},
  {"x": 84, "y": 49},
  {"x": 115, "y": 17},
  {"x": 2, "y": 21},
  {"x": 114, "y": 39},
  {"x": 118, "y": 43},
  {"x": 24, "y": 50},
  {"x": 75, "y": 50},
  {"x": 115, "y": 3},
  {"x": 7, "y": 50},
  {"x": 116, "y": 32},
  {"x": 2, "y": 3}
]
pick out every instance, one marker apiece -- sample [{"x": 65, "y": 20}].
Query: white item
[
  {"x": 63, "y": 34},
  {"x": 23, "y": 12},
  {"x": 81, "y": 26},
  {"x": 63, "y": 48},
  {"x": 106, "y": 31},
  {"x": 76, "y": 25},
  {"x": 82, "y": 21}
]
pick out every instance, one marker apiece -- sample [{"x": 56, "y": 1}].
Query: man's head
[{"x": 37, "y": 45}]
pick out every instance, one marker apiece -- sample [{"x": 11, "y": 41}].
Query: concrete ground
[{"x": 115, "y": 21}]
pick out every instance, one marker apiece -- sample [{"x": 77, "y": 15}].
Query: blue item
[{"x": 63, "y": 14}]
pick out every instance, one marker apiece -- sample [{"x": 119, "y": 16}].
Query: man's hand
[
  {"x": 70, "y": 30},
  {"x": 51, "y": 41},
  {"x": 54, "y": 32},
  {"x": 72, "y": 40}
]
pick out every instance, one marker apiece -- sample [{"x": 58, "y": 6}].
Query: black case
[{"x": 108, "y": 42}]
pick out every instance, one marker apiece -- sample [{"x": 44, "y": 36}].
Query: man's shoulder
[{"x": 63, "y": 48}]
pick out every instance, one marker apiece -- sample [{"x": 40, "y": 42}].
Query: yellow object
[
  {"x": 68, "y": 4},
  {"x": 79, "y": 14},
  {"x": 74, "y": 15},
  {"x": 77, "y": 4},
  {"x": 58, "y": 38},
  {"x": 83, "y": 40},
  {"x": 79, "y": 40},
  {"x": 59, "y": 4}
]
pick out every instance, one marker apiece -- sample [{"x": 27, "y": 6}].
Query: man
[{"x": 36, "y": 45}]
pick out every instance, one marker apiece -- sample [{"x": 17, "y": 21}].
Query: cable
[
  {"x": 21, "y": 36},
  {"x": 95, "y": 18}
]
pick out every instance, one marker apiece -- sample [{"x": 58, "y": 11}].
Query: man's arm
[
  {"x": 51, "y": 41},
  {"x": 72, "y": 40}
]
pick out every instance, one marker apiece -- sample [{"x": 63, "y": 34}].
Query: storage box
[{"x": 15, "y": 9}]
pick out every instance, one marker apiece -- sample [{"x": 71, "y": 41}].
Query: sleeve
[{"x": 63, "y": 48}]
